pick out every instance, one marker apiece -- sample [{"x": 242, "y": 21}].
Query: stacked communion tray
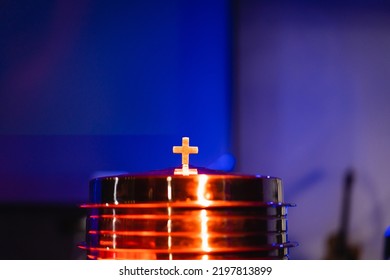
[{"x": 186, "y": 214}]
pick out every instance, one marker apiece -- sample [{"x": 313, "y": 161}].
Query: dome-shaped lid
[{"x": 186, "y": 187}]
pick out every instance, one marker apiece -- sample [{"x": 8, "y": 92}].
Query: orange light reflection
[
  {"x": 204, "y": 231},
  {"x": 202, "y": 195}
]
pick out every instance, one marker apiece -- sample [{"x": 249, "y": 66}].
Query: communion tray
[{"x": 208, "y": 215}]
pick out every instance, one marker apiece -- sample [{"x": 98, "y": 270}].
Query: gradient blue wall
[{"x": 91, "y": 87}]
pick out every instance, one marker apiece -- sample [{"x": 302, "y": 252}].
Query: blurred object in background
[
  {"x": 41, "y": 232},
  {"x": 387, "y": 244},
  {"x": 338, "y": 244}
]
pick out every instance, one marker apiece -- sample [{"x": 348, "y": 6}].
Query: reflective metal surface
[{"x": 204, "y": 216}]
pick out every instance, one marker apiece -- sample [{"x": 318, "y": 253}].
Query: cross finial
[{"x": 185, "y": 150}]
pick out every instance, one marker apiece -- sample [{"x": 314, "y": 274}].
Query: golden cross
[{"x": 185, "y": 150}]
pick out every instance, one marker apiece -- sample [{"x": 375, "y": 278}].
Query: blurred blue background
[
  {"x": 293, "y": 89},
  {"x": 90, "y": 87}
]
